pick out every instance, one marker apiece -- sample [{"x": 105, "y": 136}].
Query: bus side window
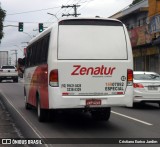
[
  {"x": 45, "y": 45},
  {"x": 42, "y": 50},
  {"x": 39, "y": 50},
  {"x": 28, "y": 56},
  {"x": 34, "y": 47},
  {"x": 36, "y": 52}
]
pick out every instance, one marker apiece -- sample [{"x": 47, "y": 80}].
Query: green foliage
[{"x": 2, "y": 16}]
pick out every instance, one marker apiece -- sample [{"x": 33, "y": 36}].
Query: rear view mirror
[
  {"x": 21, "y": 64},
  {"x": 21, "y": 61}
]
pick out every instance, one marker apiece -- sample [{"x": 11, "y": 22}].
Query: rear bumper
[
  {"x": 145, "y": 96},
  {"x": 8, "y": 77},
  {"x": 57, "y": 101}
]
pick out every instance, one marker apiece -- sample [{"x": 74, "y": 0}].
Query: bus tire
[
  {"x": 101, "y": 114},
  {"x": 41, "y": 113}
]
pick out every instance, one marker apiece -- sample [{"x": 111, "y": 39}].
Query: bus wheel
[
  {"x": 102, "y": 114},
  {"x": 41, "y": 113}
]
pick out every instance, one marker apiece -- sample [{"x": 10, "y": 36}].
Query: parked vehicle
[
  {"x": 8, "y": 72},
  {"x": 79, "y": 64},
  {"x": 146, "y": 87}
]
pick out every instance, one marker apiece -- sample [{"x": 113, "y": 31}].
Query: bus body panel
[
  {"x": 92, "y": 78},
  {"x": 36, "y": 85},
  {"x": 57, "y": 101}
]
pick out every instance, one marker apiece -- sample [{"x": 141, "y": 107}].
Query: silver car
[
  {"x": 146, "y": 87},
  {"x": 8, "y": 72}
]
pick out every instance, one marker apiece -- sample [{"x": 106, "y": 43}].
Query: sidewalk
[{"x": 8, "y": 128}]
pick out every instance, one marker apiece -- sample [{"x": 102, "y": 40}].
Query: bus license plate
[{"x": 93, "y": 102}]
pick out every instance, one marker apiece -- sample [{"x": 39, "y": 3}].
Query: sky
[{"x": 32, "y": 12}]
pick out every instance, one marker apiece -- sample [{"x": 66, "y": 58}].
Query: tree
[
  {"x": 2, "y": 16},
  {"x": 135, "y": 1}
]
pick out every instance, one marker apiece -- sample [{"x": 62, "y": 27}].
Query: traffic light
[
  {"x": 40, "y": 27},
  {"x": 20, "y": 27}
]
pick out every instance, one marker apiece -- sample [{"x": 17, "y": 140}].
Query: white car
[
  {"x": 146, "y": 87},
  {"x": 8, "y": 72}
]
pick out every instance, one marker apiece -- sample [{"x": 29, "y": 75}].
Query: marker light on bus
[{"x": 53, "y": 78}]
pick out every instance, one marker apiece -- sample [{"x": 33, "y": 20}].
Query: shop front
[
  {"x": 146, "y": 51},
  {"x": 147, "y": 59}
]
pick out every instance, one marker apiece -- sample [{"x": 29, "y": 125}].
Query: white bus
[{"x": 79, "y": 64}]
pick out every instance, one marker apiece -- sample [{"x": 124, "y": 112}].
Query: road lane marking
[
  {"x": 29, "y": 123},
  {"x": 132, "y": 118}
]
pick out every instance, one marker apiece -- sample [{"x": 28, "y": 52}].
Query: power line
[
  {"x": 75, "y": 9},
  {"x": 79, "y": 2},
  {"x": 23, "y": 22},
  {"x": 56, "y": 14},
  {"x": 60, "y": 13},
  {"x": 33, "y": 11},
  {"x": 61, "y": 9},
  {"x": 87, "y": 2},
  {"x": 72, "y": 4}
]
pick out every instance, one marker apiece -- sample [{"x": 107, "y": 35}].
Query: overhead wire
[
  {"x": 26, "y": 12},
  {"x": 33, "y": 11},
  {"x": 87, "y": 2},
  {"x": 56, "y": 14},
  {"x": 60, "y": 11},
  {"x": 64, "y": 9},
  {"x": 72, "y": 4}
]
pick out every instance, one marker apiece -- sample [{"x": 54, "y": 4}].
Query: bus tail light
[
  {"x": 129, "y": 77},
  {"x": 53, "y": 78}
]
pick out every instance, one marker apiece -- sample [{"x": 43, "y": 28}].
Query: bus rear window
[{"x": 97, "y": 42}]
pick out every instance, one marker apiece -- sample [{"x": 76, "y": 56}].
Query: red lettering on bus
[{"x": 102, "y": 70}]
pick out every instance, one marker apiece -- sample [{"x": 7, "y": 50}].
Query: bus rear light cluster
[
  {"x": 129, "y": 77},
  {"x": 53, "y": 78}
]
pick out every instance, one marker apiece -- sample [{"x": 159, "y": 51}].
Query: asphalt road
[{"x": 142, "y": 121}]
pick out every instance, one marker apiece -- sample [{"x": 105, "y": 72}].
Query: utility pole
[
  {"x": 16, "y": 56},
  {"x": 75, "y": 10}
]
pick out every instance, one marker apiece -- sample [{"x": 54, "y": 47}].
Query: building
[{"x": 143, "y": 24}]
